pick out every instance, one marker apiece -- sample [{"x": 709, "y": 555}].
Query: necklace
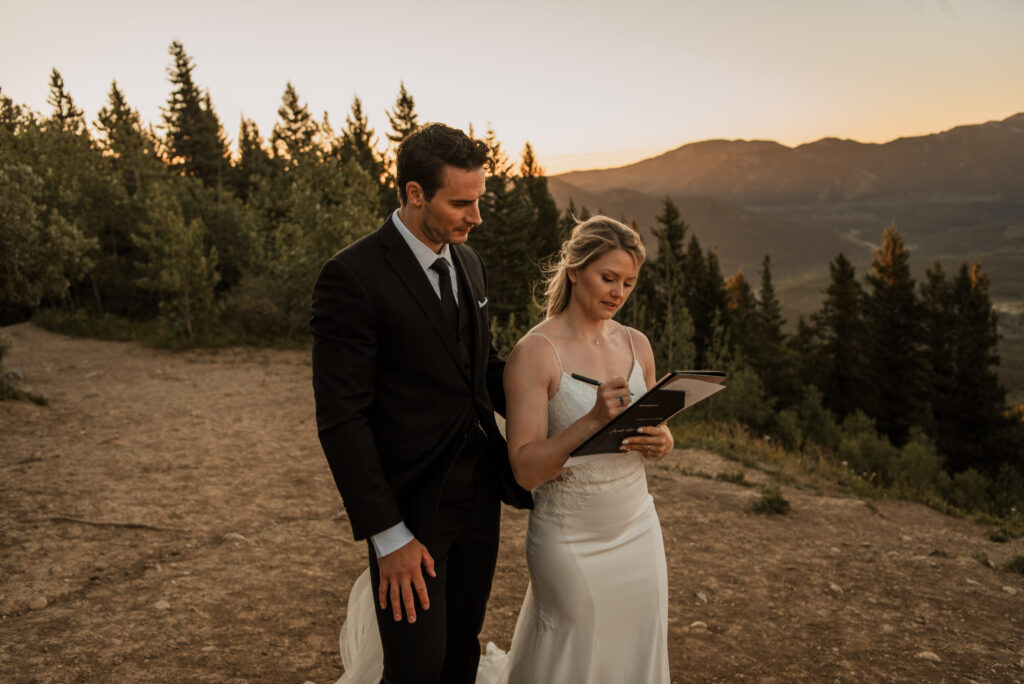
[{"x": 597, "y": 340}]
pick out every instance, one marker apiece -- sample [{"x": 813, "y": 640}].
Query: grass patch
[
  {"x": 815, "y": 469},
  {"x": 1015, "y": 564},
  {"x": 771, "y": 502},
  {"x": 736, "y": 477},
  {"x": 157, "y": 332},
  {"x": 982, "y": 558},
  {"x": 9, "y": 391}
]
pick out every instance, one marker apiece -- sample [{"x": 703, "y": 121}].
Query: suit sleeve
[{"x": 344, "y": 362}]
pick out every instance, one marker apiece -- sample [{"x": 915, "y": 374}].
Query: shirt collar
[{"x": 424, "y": 255}]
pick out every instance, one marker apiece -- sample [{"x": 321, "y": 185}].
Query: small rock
[
  {"x": 15, "y": 374},
  {"x": 234, "y": 536},
  {"x": 835, "y": 551},
  {"x": 702, "y": 597},
  {"x": 698, "y": 626},
  {"x": 906, "y": 538},
  {"x": 974, "y": 583},
  {"x": 835, "y": 588},
  {"x": 207, "y": 649},
  {"x": 1012, "y": 591},
  {"x": 929, "y": 656},
  {"x": 56, "y": 570},
  {"x": 162, "y": 605},
  {"x": 38, "y": 603},
  {"x": 866, "y": 545}
]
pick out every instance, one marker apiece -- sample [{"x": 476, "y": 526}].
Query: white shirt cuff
[{"x": 391, "y": 539}]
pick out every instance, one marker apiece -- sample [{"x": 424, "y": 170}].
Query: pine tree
[
  {"x": 131, "y": 153},
  {"x": 506, "y": 242},
  {"x": 840, "y": 335},
  {"x": 972, "y": 433},
  {"x": 894, "y": 370},
  {"x": 544, "y": 238},
  {"x": 742, "y": 312},
  {"x": 295, "y": 134},
  {"x": 402, "y": 117},
  {"x": 672, "y": 338},
  {"x": 773, "y": 359},
  {"x": 68, "y": 117},
  {"x": 938, "y": 335},
  {"x": 123, "y": 140},
  {"x": 358, "y": 146},
  {"x": 255, "y": 170},
  {"x": 80, "y": 189},
  {"x": 11, "y": 114},
  {"x": 195, "y": 138}
]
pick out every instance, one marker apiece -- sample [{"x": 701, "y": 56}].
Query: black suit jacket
[{"x": 394, "y": 401}]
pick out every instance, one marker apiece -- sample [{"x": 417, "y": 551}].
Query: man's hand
[{"x": 400, "y": 574}]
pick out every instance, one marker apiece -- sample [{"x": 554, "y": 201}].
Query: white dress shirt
[{"x": 399, "y": 535}]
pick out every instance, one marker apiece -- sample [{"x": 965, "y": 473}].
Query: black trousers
[{"x": 443, "y": 644}]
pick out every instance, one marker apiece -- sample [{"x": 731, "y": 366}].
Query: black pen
[{"x": 590, "y": 381}]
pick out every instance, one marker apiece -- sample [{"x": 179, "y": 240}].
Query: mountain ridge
[{"x": 973, "y": 158}]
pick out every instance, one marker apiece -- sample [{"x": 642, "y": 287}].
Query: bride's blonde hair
[{"x": 589, "y": 240}]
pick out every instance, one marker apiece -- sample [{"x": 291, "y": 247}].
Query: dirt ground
[{"x": 169, "y": 517}]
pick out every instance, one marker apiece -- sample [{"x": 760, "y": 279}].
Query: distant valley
[{"x": 956, "y": 196}]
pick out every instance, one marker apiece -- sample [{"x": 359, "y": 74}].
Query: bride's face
[{"x": 603, "y": 287}]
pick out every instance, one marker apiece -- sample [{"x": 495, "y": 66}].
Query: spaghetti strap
[
  {"x": 555, "y": 349},
  {"x": 631, "y": 347}
]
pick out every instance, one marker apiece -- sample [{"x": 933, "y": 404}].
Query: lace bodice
[{"x": 565, "y": 496}]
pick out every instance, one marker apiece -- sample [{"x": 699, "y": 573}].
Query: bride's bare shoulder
[
  {"x": 641, "y": 344},
  {"x": 535, "y": 352}
]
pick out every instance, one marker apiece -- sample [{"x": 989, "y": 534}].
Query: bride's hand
[
  {"x": 652, "y": 442},
  {"x": 612, "y": 399}
]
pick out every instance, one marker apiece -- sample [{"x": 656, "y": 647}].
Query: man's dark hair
[{"x": 424, "y": 153}]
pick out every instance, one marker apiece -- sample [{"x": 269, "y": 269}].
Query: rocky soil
[{"x": 170, "y": 517}]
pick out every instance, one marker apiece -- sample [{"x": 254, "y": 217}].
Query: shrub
[
  {"x": 817, "y": 423},
  {"x": 969, "y": 491},
  {"x": 865, "y": 451},
  {"x": 771, "y": 500},
  {"x": 918, "y": 467},
  {"x": 1015, "y": 564},
  {"x": 736, "y": 477}
]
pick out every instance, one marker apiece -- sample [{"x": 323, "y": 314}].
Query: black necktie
[{"x": 451, "y": 310}]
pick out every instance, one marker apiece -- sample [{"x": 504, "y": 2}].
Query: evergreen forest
[{"x": 166, "y": 233}]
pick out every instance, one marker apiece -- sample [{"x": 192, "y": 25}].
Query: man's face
[{"x": 454, "y": 210}]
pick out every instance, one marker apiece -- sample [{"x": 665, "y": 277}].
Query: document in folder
[{"x": 675, "y": 392}]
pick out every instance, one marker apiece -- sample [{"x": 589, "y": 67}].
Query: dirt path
[{"x": 170, "y": 517}]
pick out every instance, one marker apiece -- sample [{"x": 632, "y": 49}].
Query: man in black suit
[{"x": 406, "y": 382}]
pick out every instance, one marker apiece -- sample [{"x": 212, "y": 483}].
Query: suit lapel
[
  {"x": 474, "y": 295},
  {"x": 401, "y": 259}
]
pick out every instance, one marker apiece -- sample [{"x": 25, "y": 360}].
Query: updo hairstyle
[{"x": 589, "y": 241}]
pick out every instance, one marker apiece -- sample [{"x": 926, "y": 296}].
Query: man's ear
[{"x": 414, "y": 193}]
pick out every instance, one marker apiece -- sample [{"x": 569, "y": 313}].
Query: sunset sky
[{"x": 589, "y": 84}]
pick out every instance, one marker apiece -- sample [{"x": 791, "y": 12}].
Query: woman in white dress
[
  {"x": 596, "y": 610},
  {"x": 597, "y": 607}
]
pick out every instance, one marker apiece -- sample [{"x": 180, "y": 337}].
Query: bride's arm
[
  {"x": 531, "y": 378},
  {"x": 658, "y": 440}
]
